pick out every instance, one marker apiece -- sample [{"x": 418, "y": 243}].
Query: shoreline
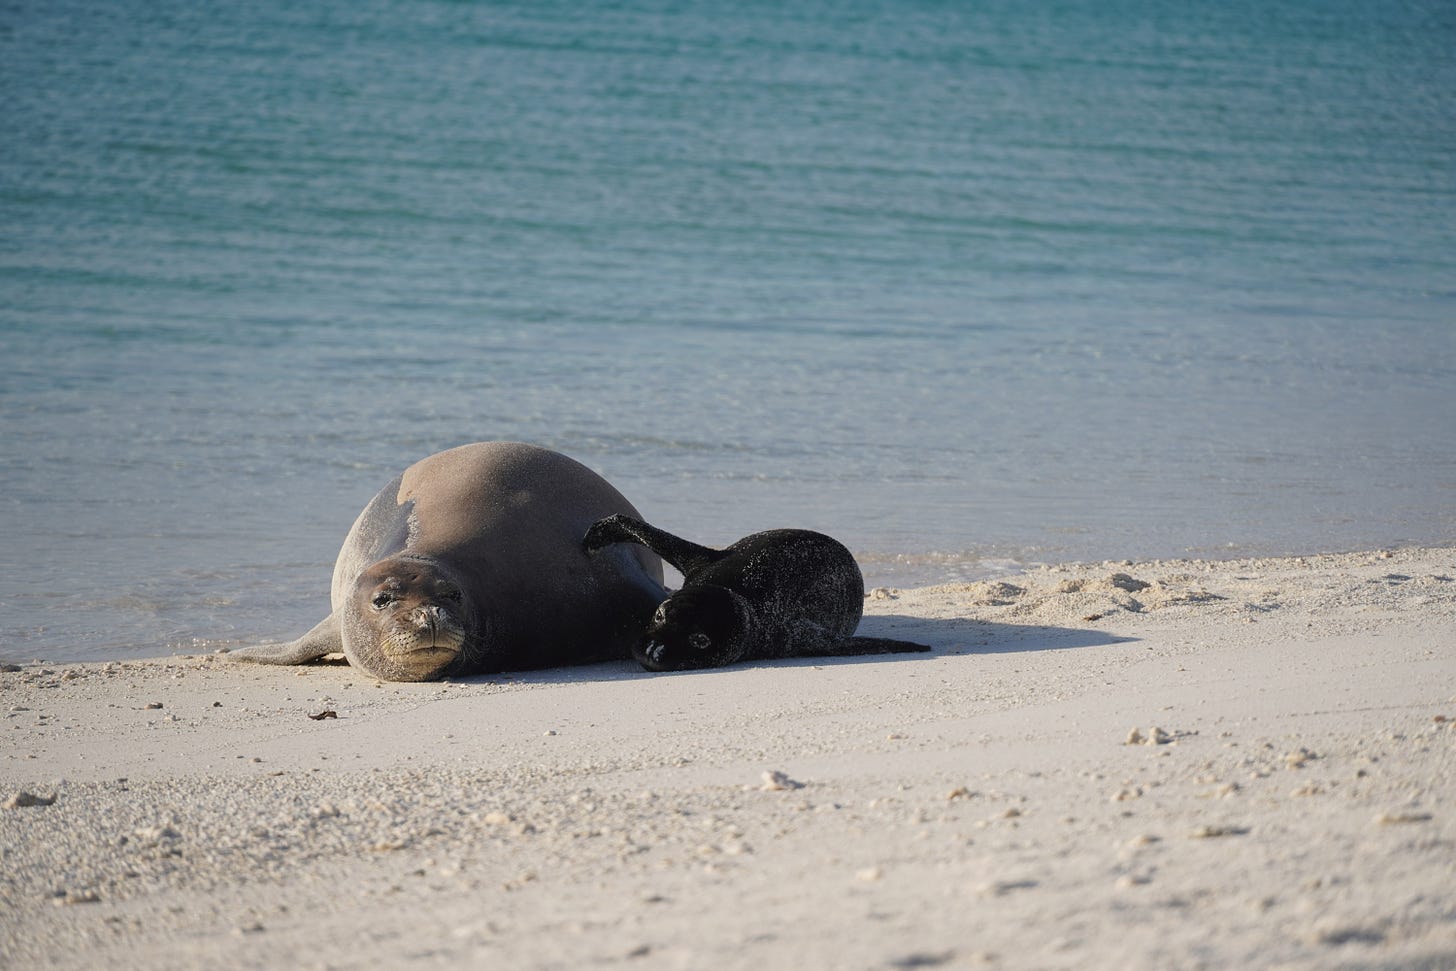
[
  {"x": 908, "y": 573},
  {"x": 1218, "y": 762}
]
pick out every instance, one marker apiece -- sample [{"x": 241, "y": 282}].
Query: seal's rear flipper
[
  {"x": 325, "y": 638},
  {"x": 848, "y": 646}
]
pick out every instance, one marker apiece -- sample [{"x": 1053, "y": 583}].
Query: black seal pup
[
  {"x": 780, "y": 593},
  {"x": 471, "y": 561}
]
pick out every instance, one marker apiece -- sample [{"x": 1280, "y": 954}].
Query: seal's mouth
[
  {"x": 421, "y": 659},
  {"x": 430, "y": 649},
  {"x": 415, "y": 642}
]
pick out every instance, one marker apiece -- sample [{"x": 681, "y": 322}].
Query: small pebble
[
  {"x": 77, "y": 897},
  {"x": 776, "y": 781},
  {"x": 1000, "y": 888},
  {"x": 1334, "y": 934}
]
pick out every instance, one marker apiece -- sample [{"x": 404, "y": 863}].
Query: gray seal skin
[
  {"x": 470, "y": 561},
  {"x": 775, "y": 594}
]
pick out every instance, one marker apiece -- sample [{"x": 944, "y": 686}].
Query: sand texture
[{"x": 1154, "y": 765}]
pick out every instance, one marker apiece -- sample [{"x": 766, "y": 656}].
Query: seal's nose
[
  {"x": 650, "y": 655},
  {"x": 427, "y": 618}
]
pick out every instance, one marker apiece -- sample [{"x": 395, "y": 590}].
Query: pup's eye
[
  {"x": 381, "y": 600},
  {"x": 661, "y": 614},
  {"x": 700, "y": 641}
]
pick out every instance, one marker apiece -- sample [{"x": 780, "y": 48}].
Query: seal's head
[
  {"x": 409, "y": 621},
  {"x": 700, "y": 627}
]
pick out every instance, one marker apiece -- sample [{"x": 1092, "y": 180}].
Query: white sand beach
[{"x": 1134, "y": 765}]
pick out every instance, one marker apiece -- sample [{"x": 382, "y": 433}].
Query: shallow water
[{"x": 968, "y": 289}]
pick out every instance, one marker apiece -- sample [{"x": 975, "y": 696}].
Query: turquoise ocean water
[{"x": 969, "y": 285}]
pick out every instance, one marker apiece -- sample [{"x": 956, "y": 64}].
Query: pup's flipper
[{"x": 686, "y": 557}]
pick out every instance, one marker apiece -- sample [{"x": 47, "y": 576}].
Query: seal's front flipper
[
  {"x": 617, "y": 528},
  {"x": 325, "y": 638}
]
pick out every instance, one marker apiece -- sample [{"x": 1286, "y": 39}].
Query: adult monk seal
[
  {"x": 780, "y": 593},
  {"x": 471, "y": 561}
]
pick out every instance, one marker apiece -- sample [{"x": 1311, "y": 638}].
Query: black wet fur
[{"x": 780, "y": 593}]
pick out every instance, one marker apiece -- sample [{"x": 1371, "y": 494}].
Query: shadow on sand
[
  {"x": 960, "y": 635},
  {"x": 951, "y": 636}
]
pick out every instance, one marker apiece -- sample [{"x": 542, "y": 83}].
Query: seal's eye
[
  {"x": 451, "y": 594},
  {"x": 381, "y": 600},
  {"x": 700, "y": 641},
  {"x": 661, "y": 614}
]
